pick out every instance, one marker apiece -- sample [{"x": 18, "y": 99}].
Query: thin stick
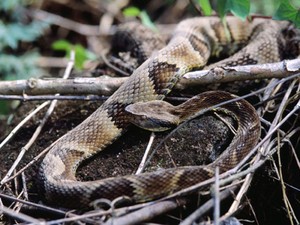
[
  {"x": 147, "y": 213},
  {"x": 145, "y": 156},
  {"x": 216, "y": 197},
  {"x": 24, "y": 121},
  {"x": 283, "y": 190},
  {"x": 99, "y": 213},
  {"x": 240, "y": 194},
  {"x": 53, "y": 97},
  {"x": 19, "y": 215},
  {"x": 32, "y": 204},
  {"x": 103, "y": 85},
  {"x": 84, "y": 29},
  {"x": 205, "y": 208},
  {"x": 249, "y": 72}
]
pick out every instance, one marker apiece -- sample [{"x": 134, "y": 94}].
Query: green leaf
[
  {"x": 81, "y": 53},
  {"x": 131, "y": 11},
  {"x": 147, "y": 21},
  {"x": 221, "y": 8},
  {"x": 12, "y": 33},
  {"x": 286, "y": 11},
  {"x": 62, "y": 45},
  {"x": 205, "y": 6},
  {"x": 239, "y": 8},
  {"x": 19, "y": 67}
]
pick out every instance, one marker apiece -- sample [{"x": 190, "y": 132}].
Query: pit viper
[{"x": 193, "y": 42}]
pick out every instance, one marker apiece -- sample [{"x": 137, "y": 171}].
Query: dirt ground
[{"x": 123, "y": 156}]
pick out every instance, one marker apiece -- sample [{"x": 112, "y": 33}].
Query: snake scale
[{"x": 193, "y": 42}]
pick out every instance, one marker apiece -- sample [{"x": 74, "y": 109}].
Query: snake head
[{"x": 153, "y": 115}]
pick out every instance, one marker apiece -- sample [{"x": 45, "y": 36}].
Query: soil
[{"x": 122, "y": 157}]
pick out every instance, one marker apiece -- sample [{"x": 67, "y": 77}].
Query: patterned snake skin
[{"x": 193, "y": 42}]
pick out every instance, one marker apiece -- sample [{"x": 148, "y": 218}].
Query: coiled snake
[{"x": 193, "y": 42}]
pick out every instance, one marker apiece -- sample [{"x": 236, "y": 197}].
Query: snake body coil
[{"x": 193, "y": 42}]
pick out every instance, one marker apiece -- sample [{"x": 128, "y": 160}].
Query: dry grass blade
[{"x": 25, "y": 120}]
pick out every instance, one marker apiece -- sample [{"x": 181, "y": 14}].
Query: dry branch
[
  {"x": 103, "y": 85},
  {"x": 84, "y": 29},
  {"x": 19, "y": 216},
  {"x": 106, "y": 85},
  {"x": 147, "y": 213},
  {"x": 239, "y": 73}
]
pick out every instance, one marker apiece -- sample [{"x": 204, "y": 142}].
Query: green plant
[
  {"x": 281, "y": 10},
  {"x": 143, "y": 15},
  {"x": 15, "y": 27},
  {"x": 287, "y": 11},
  {"x": 81, "y": 54}
]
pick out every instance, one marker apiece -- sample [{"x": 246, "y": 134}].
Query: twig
[
  {"x": 288, "y": 207},
  {"x": 53, "y": 97},
  {"x": 147, "y": 213},
  {"x": 242, "y": 191},
  {"x": 35, "y": 159},
  {"x": 206, "y": 207},
  {"x": 269, "y": 134},
  {"x": 142, "y": 164},
  {"x": 19, "y": 216},
  {"x": 238, "y": 73},
  {"x": 103, "y": 85},
  {"x": 84, "y": 29},
  {"x": 24, "y": 121},
  {"x": 216, "y": 197},
  {"x": 24, "y": 193},
  {"x": 43, "y": 207},
  {"x": 119, "y": 211}
]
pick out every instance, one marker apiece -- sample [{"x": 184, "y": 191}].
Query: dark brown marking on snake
[
  {"x": 198, "y": 43},
  {"x": 244, "y": 60},
  {"x": 118, "y": 114},
  {"x": 158, "y": 81}
]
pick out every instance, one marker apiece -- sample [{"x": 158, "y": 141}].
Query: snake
[{"x": 193, "y": 43}]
